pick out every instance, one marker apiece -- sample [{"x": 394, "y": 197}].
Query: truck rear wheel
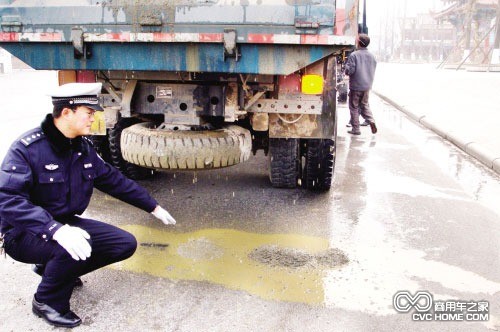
[
  {"x": 101, "y": 145},
  {"x": 320, "y": 162},
  {"x": 284, "y": 166},
  {"x": 115, "y": 149},
  {"x": 144, "y": 145}
]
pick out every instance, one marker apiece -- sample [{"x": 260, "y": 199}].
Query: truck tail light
[{"x": 312, "y": 84}]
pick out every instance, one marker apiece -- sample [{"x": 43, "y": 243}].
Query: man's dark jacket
[{"x": 360, "y": 67}]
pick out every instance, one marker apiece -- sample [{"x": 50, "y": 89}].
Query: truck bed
[{"x": 252, "y": 36}]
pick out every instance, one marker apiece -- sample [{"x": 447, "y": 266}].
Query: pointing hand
[{"x": 163, "y": 215}]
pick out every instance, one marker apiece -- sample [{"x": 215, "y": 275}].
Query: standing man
[
  {"x": 46, "y": 181},
  {"x": 360, "y": 67}
]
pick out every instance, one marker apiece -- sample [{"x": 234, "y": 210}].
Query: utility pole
[
  {"x": 392, "y": 30},
  {"x": 386, "y": 34},
  {"x": 468, "y": 25},
  {"x": 495, "y": 57},
  {"x": 403, "y": 31},
  {"x": 380, "y": 38},
  {"x": 365, "y": 27}
]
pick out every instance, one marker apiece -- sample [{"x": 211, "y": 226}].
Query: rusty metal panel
[
  {"x": 288, "y": 106},
  {"x": 164, "y": 13},
  {"x": 346, "y": 18},
  {"x": 274, "y": 37},
  {"x": 322, "y": 125},
  {"x": 255, "y": 59},
  {"x": 260, "y": 121},
  {"x": 294, "y": 126}
]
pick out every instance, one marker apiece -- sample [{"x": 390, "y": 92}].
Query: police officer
[{"x": 46, "y": 181}]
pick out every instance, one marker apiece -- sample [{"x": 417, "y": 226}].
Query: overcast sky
[
  {"x": 381, "y": 10},
  {"x": 378, "y": 8}
]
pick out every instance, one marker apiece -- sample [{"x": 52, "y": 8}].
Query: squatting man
[{"x": 46, "y": 182}]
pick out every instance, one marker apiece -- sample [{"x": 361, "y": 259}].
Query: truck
[{"x": 198, "y": 84}]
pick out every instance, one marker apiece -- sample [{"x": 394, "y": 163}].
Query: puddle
[
  {"x": 200, "y": 249},
  {"x": 282, "y": 267}
]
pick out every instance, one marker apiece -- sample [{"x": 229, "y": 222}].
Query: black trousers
[{"x": 109, "y": 245}]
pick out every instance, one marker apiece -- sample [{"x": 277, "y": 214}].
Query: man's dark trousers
[
  {"x": 358, "y": 105},
  {"x": 109, "y": 245}
]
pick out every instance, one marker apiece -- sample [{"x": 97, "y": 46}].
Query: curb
[
  {"x": 481, "y": 154},
  {"x": 472, "y": 148},
  {"x": 496, "y": 165}
]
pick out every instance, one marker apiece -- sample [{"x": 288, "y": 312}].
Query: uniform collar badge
[
  {"x": 51, "y": 167},
  {"x": 87, "y": 165}
]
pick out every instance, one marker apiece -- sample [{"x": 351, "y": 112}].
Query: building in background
[
  {"x": 449, "y": 31},
  {"x": 476, "y": 28},
  {"x": 422, "y": 38}
]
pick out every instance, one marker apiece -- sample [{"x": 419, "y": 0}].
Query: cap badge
[{"x": 51, "y": 167}]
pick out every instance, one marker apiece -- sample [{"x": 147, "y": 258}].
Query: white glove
[
  {"x": 163, "y": 215},
  {"x": 74, "y": 241}
]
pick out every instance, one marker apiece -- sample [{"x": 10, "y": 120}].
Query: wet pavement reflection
[
  {"x": 402, "y": 209},
  {"x": 478, "y": 181},
  {"x": 407, "y": 211}
]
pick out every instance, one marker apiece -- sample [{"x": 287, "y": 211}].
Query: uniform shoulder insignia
[{"x": 32, "y": 137}]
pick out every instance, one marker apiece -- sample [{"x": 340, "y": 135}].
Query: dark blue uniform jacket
[{"x": 46, "y": 177}]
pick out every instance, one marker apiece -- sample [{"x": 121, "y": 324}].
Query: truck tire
[
  {"x": 130, "y": 170},
  {"x": 144, "y": 145},
  {"x": 101, "y": 145},
  {"x": 320, "y": 163},
  {"x": 284, "y": 165}
]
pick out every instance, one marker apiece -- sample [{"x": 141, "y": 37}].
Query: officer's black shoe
[
  {"x": 53, "y": 317},
  {"x": 40, "y": 268},
  {"x": 78, "y": 283},
  {"x": 373, "y": 127},
  {"x": 352, "y": 132}
]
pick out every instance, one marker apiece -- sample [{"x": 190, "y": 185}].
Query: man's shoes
[
  {"x": 364, "y": 124},
  {"x": 40, "y": 268},
  {"x": 354, "y": 132},
  {"x": 373, "y": 127},
  {"x": 78, "y": 283},
  {"x": 53, "y": 317}
]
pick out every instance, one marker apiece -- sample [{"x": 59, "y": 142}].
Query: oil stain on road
[{"x": 283, "y": 267}]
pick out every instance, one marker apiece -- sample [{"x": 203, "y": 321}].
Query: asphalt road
[{"x": 407, "y": 211}]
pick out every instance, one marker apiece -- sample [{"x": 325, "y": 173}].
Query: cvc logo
[{"x": 403, "y": 301}]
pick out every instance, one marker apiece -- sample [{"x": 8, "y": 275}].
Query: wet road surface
[{"x": 407, "y": 211}]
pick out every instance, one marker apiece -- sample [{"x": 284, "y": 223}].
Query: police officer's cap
[{"x": 77, "y": 94}]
